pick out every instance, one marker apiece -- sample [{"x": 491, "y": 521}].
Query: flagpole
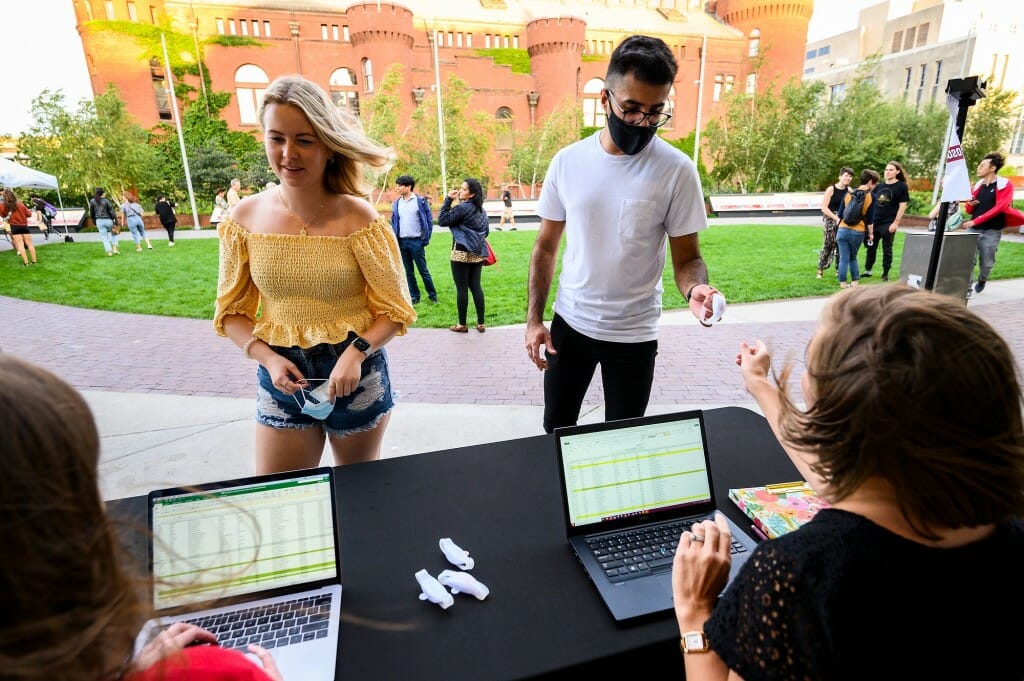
[
  {"x": 181, "y": 135},
  {"x": 440, "y": 114},
  {"x": 700, "y": 98}
]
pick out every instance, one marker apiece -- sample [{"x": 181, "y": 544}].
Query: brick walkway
[{"x": 145, "y": 354}]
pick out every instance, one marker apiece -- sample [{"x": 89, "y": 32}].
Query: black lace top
[{"x": 843, "y": 598}]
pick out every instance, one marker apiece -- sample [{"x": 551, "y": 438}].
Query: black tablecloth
[{"x": 502, "y": 503}]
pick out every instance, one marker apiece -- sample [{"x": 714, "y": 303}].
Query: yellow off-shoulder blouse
[{"x": 311, "y": 289}]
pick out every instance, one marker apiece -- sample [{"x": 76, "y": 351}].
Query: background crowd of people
[{"x": 878, "y": 215}]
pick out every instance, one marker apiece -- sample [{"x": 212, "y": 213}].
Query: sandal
[
  {"x": 459, "y": 328},
  {"x": 481, "y": 328},
  {"x": 819, "y": 274}
]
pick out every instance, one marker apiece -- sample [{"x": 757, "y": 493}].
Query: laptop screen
[
  {"x": 619, "y": 471},
  {"x": 233, "y": 541}
]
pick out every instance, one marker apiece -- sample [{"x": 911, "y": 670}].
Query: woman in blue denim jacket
[{"x": 469, "y": 226}]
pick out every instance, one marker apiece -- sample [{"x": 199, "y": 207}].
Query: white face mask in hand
[
  {"x": 717, "y": 309},
  {"x": 315, "y": 402}
]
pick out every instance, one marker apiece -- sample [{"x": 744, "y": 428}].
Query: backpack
[
  {"x": 853, "y": 211},
  {"x": 49, "y": 210}
]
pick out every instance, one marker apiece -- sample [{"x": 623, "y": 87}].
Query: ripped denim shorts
[{"x": 360, "y": 411}]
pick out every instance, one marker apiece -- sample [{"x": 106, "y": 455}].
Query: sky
[{"x": 43, "y": 32}]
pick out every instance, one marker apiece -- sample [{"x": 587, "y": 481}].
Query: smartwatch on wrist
[
  {"x": 693, "y": 642},
  {"x": 360, "y": 344}
]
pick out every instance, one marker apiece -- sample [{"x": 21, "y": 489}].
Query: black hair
[
  {"x": 996, "y": 159},
  {"x": 868, "y": 175},
  {"x": 406, "y": 181},
  {"x": 477, "y": 191},
  {"x": 649, "y": 60},
  {"x": 161, "y": 196},
  {"x": 846, "y": 169},
  {"x": 98, "y": 193}
]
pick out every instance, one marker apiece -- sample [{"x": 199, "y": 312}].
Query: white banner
[{"x": 956, "y": 183}]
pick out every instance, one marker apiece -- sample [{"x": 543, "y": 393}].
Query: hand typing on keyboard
[
  {"x": 700, "y": 570},
  {"x": 181, "y": 635},
  {"x": 171, "y": 640}
]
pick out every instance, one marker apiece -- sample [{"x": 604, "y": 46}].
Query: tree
[
  {"x": 96, "y": 145},
  {"x": 532, "y": 153},
  {"x": 216, "y": 153},
  {"x": 989, "y": 125},
  {"x": 469, "y": 138},
  {"x": 380, "y": 120},
  {"x": 756, "y": 142}
]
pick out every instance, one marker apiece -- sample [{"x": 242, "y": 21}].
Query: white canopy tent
[{"x": 16, "y": 175}]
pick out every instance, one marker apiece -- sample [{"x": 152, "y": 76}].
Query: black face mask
[{"x": 630, "y": 139}]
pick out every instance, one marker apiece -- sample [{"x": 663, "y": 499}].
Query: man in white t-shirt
[{"x": 617, "y": 196}]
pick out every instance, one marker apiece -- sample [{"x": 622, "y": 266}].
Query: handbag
[{"x": 492, "y": 257}]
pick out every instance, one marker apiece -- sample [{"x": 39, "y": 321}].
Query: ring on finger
[{"x": 696, "y": 537}]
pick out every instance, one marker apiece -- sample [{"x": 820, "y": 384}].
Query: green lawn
[{"x": 747, "y": 262}]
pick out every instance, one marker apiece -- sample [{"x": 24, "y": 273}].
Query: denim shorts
[{"x": 360, "y": 411}]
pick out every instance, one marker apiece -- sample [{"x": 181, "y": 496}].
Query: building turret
[
  {"x": 380, "y": 32},
  {"x": 776, "y": 27},
  {"x": 555, "y": 46}
]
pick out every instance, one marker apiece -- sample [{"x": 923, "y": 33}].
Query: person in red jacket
[
  {"x": 991, "y": 211},
  {"x": 17, "y": 214}
]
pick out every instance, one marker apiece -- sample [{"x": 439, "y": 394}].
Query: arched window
[
  {"x": 503, "y": 137},
  {"x": 754, "y": 46},
  {"x": 343, "y": 90},
  {"x": 250, "y": 83},
  {"x": 593, "y": 114},
  {"x": 367, "y": 75}
]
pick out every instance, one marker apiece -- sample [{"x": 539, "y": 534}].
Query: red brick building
[{"x": 347, "y": 49}]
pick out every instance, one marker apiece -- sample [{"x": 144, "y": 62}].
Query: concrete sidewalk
[{"x": 174, "y": 402}]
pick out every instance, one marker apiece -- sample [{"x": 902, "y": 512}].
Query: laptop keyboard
[
  {"x": 637, "y": 553},
  {"x": 271, "y": 626}
]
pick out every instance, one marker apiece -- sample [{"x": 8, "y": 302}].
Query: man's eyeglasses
[{"x": 655, "y": 119}]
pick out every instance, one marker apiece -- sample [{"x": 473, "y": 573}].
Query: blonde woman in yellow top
[{"x": 312, "y": 286}]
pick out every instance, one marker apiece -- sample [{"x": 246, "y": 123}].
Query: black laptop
[{"x": 629, "y": 489}]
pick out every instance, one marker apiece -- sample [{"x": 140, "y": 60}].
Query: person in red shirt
[
  {"x": 17, "y": 214},
  {"x": 991, "y": 210},
  {"x": 72, "y": 607}
]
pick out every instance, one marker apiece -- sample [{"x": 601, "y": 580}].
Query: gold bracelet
[{"x": 247, "y": 345}]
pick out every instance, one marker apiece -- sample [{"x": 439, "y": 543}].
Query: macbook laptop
[
  {"x": 253, "y": 561},
  {"x": 629, "y": 488}
]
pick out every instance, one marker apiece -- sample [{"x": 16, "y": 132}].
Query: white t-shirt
[
  {"x": 409, "y": 217},
  {"x": 618, "y": 213}
]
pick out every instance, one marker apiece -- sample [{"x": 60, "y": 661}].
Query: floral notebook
[{"x": 778, "y": 509}]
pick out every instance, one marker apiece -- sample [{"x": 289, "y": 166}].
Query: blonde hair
[{"x": 352, "y": 149}]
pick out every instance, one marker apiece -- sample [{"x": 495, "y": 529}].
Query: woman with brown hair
[
  {"x": 913, "y": 432},
  {"x": 17, "y": 214},
  {"x": 71, "y": 608}
]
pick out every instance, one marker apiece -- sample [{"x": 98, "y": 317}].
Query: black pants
[
  {"x": 627, "y": 373},
  {"x": 884, "y": 237},
  {"x": 467, "y": 278},
  {"x": 170, "y": 232}
]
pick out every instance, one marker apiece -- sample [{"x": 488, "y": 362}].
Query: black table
[{"x": 502, "y": 503}]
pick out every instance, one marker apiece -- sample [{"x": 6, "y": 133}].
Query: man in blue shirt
[{"x": 413, "y": 224}]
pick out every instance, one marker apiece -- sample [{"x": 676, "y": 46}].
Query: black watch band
[{"x": 360, "y": 343}]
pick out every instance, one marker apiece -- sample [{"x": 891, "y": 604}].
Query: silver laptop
[
  {"x": 254, "y": 561},
  {"x": 629, "y": 488}
]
